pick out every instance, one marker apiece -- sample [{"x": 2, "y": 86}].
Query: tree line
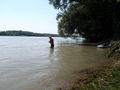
[{"x": 25, "y": 33}]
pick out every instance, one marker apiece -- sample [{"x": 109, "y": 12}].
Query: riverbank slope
[{"x": 103, "y": 77}]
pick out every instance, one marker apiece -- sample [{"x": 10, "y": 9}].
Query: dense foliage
[
  {"x": 95, "y": 20},
  {"x": 25, "y": 33}
]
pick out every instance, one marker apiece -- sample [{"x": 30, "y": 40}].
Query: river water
[{"x": 27, "y": 63}]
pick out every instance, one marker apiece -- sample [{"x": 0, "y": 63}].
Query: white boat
[{"x": 100, "y": 46}]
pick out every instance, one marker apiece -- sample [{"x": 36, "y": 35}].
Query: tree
[{"x": 95, "y": 20}]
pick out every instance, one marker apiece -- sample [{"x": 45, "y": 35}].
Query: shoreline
[
  {"x": 89, "y": 44},
  {"x": 88, "y": 76}
]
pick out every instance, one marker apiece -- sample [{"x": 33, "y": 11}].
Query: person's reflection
[{"x": 51, "y": 52}]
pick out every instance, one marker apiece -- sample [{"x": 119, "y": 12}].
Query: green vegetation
[
  {"x": 106, "y": 77},
  {"x": 95, "y": 20},
  {"x": 25, "y": 33},
  {"x": 110, "y": 80}
]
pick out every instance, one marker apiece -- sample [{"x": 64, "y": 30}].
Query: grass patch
[
  {"x": 111, "y": 82},
  {"x": 107, "y": 78}
]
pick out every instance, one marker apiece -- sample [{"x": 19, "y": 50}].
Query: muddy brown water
[{"x": 27, "y": 63}]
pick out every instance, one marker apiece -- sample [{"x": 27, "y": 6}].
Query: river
[{"x": 27, "y": 63}]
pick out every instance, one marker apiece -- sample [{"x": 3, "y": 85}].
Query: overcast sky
[{"x": 28, "y": 15}]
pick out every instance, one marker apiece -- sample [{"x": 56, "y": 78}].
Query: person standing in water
[{"x": 51, "y": 42}]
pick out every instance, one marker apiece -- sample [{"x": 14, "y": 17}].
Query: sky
[{"x": 28, "y": 15}]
